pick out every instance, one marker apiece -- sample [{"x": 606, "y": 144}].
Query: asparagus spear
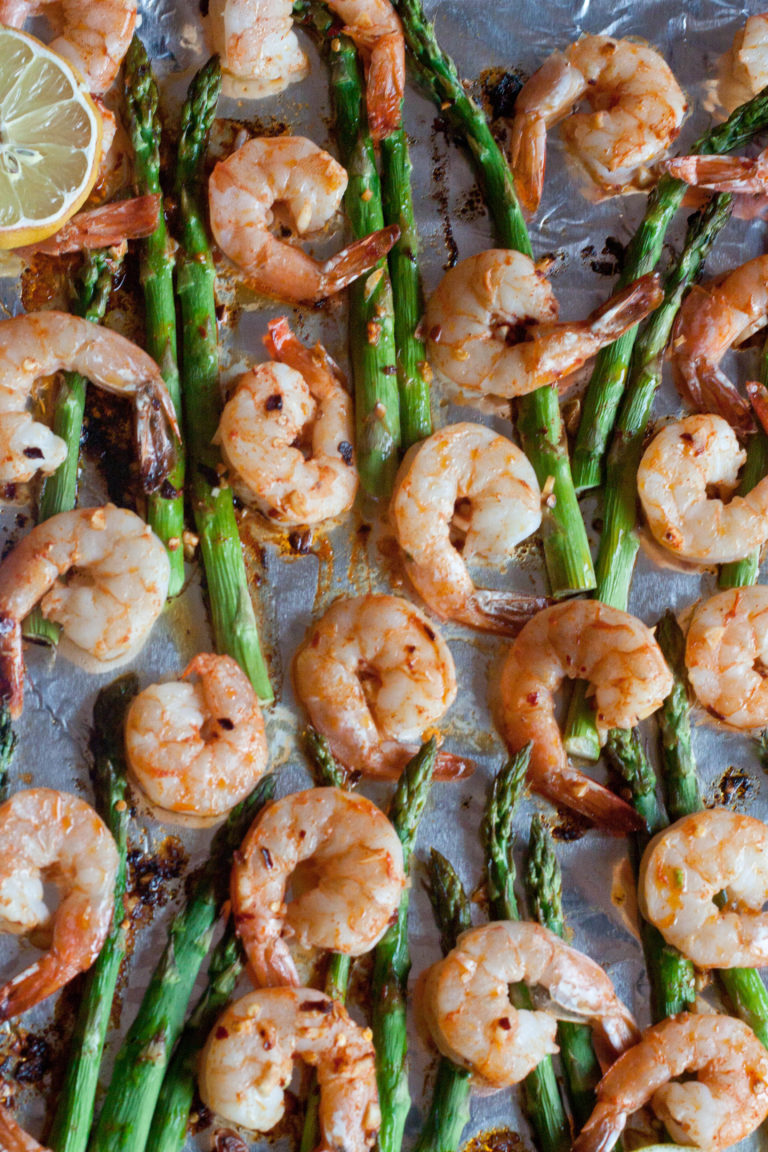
[
  {"x": 606, "y": 387},
  {"x": 540, "y": 1094},
  {"x": 92, "y": 288},
  {"x": 619, "y": 542},
  {"x": 566, "y": 548},
  {"x": 392, "y": 961},
  {"x": 743, "y": 572},
  {"x": 166, "y": 507},
  {"x": 329, "y": 774},
  {"x": 74, "y": 1110},
  {"x": 744, "y": 986},
  {"x": 371, "y": 310},
  {"x": 169, "y": 1122},
  {"x": 8, "y": 742},
  {"x": 413, "y": 371},
  {"x": 140, "y": 1065},
  {"x": 234, "y": 623},
  {"x": 449, "y": 1110},
  {"x": 670, "y": 974},
  {"x": 544, "y": 887}
]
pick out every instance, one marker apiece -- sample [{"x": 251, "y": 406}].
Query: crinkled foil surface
[{"x": 582, "y": 237}]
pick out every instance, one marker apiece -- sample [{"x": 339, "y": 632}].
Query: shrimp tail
[
  {"x": 391, "y": 759},
  {"x": 721, "y": 173},
  {"x": 156, "y": 425},
  {"x": 758, "y": 395},
  {"x": 528, "y": 157},
  {"x": 385, "y": 85},
  {"x": 626, "y": 308},
  {"x": 601, "y": 1131},
  {"x": 283, "y": 345},
  {"x": 40, "y": 980},
  {"x": 575, "y": 790},
  {"x": 13, "y": 1138},
  {"x": 707, "y": 389},
  {"x": 503, "y": 613},
  {"x": 102, "y": 227},
  {"x": 11, "y": 665},
  {"x": 354, "y": 260}
]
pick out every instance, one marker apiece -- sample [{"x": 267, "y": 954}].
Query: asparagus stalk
[
  {"x": 371, "y": 310},
  {"x": 413, "y": 371},
  {"x": 166, "y": 507},
  {"x": 742, "y": 572},
  {"x": 8, "y": 742},
  {"x": 566, "y": 548},
  {"x": 544, "y": 888},
  {"x": 540, "y": 1094},
  {"x": 449, "y": 1110},
  {"x": 234, "y": 623},
  {"x": 92, "y": 289},
  {"x": 392, "y": 961},
  {"x": 670, "y": 974},
  {"x": 619, "y": 542},
  {"x": 141, "y": 1062},
  {"x": 744, "y": 986},
  {"x": 329, "y": 774},
  {"x": 74, "y": 1110},
  {"x": 169, "y": 1122},
  {"x": 609, "y": 377}
]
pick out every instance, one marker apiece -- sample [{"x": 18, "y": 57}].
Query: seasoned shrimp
[
  {"x": 198, "y": 748},
  {"x": 116, "y": 573},
  {"x": 260, "y": 53},
  {"x": 713, "y": 318},
  {"x": 471, "y": 1018},
  {"x": 92, "y": 36},
  {"x": 495, "y": 487},
  {"x": 13, "y": 1138},
  {"x": 347, "y": 866},
  {"x": 678, "y": 469},
  {"x": 591, "y": 641},
  {"x": 49, "y": 836},
  {"x": 291, "y": 180},
  {"x": 687, "y": 865},
  {"x": 276, "y": 408},
  {"x": 104, "y": 227},
  {"x": 636, "y": 109},
  {"x": 726, "y": 653},
  {"x": 724, "y": 1104},
  {"x": 374, "y": 675},
  {"x": 248, "y": 1059},
  {"x": 40, "y": 343},
  {"x": 722, "y": 173},
  {"x": 492, "y": 327},
  {"x": 375, "y": 27}
]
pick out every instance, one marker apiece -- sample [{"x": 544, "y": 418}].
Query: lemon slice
[{"x": 50, "y": 140}]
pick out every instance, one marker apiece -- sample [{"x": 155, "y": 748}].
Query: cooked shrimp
[
  {"x": 198, "y": 748},
  {"x": 722, "y": 173},
  {"x": 725, "y": 1103},
  {"x": 347, "y": 866},
  {"x": 617, "y": 654},
  {"x": 374, "y": 675},
  {"x": 746, "y": 71},
  {"x": 49, "y": 836},
  {"x": 93, "y": 37},
  {"x": 41, "y": 343},
  {"x": 116, "y": 583},
  {"x": 260, "y": 53},
  {"x": 491, "y": 325},
  {"x": 471, "y": 1018},
  {"x": 291, "y": 180},
  {"x": 248, "y": 1059},
  {"x": 636, "y": 109},
  {"x": 13, "y": 1138},
  {"x": 500, "y": 504},
  {"x": 275, "y": 410},
  {"x": 375, "y": 27},
  {"x": 687, "y": 865},
  {"x": 726, "y": 653},
  {"x": 104, "y": 227},
  {"x": 679, "y": 467},
  {"x": 713, "y": 318}
]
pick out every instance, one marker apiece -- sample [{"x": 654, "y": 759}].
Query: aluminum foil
[{"x": 582, "y": 237}]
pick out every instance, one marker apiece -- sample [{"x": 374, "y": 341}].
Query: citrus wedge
[{"x": 50, "y": 140}]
